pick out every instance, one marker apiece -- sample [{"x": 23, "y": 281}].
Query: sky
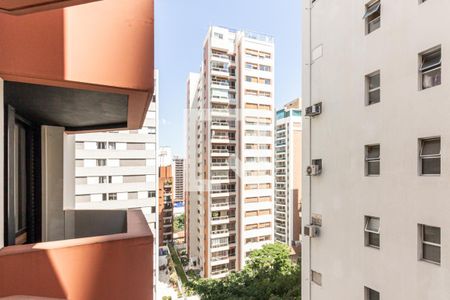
[{"x": 180, "y": 29}]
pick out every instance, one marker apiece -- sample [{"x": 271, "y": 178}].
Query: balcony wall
[
  {"x": 104, "y": 46},
  {"x": 116, "y": 266}
]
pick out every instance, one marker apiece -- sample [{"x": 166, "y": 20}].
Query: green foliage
[
  {"x": 269, "y": 274},
  {"x": 178, "y": 224},
  {"x": 167, "y": 298},
  {"x": 178, "y": 266}
]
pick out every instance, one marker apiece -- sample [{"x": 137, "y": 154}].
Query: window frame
[
  {"x": 369, "y": 90},
  {"x": 429, "y": 156},
  {"x": 372, "y": 160},
  {"x": 422, "y": 242},
  {"x": 431, "y": 68},
  {"x": 368, "y": 232},
  {"x": 367, "y": 292},
  {"x": 369, "y": 12}
]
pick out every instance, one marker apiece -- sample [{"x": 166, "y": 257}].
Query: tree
[
  {"x": 268, "y": 274},
  {"x": 178, "y": 224}
]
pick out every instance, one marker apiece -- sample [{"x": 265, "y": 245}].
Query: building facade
[
  {"x": 117, "y": 169},
  {"x": 179, "y": 183},
  {"x": 288, "y": 166},
  {"x": 230, "y": 123},
  {"x": 375, "y": 206},
  {"x": 165, "y": 205}
]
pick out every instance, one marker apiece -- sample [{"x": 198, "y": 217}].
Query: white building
[
  {"x": 288, "y": 165},
  {"x": 381, "y": 200},
  {"x": 230, "y": 124}
]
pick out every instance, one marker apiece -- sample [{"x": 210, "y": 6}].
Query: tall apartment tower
[
  {"x": 288, "y": 166},
  {"x": 165, "y": 205},
  {"x": 230, "y": 123},
  {"x": 179, "y": 179},
  {"x": 376, "y": 204},
  {"x": 117, "y": 169}
]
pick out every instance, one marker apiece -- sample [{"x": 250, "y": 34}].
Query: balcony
[
  {"x": 57, "y": 50},
  {"x": 111, "y": 254}
]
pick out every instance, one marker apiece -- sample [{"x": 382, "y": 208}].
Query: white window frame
[
  {"x": 428, "y": 156},
  {"x": 369, "y": 90},
  {"x": 372, "y": 159},
  {"x": 423, "y": 242},
  {"x": 437, "y": 66},
  {"x": 368, "y": 231},
  {"x": 376, "y": 5}
]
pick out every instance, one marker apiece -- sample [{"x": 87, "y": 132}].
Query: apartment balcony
[
  {"x": 220, "y": 233},
  {"x": 223, "y": 193},
  {"x": 222, "y": 152},
  {"x": 222, "y": 206},
  {"x": 223, "y": 100},
  {"x": 221, "y": 72},
  {"x": 223, "y": 112},
  {"x": 69, "y": 50},
  {"x": 220, "y": 273},
  {"x": 223, "y": 58},
  {"x": 225, "y": 165},
  {"x": 116, "y": 244},
  {"x": 222, "y": 220},
  {"x": 220, "y": 260},
  {"x": 223, "y": 125}
]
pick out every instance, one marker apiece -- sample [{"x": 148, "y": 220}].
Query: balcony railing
[
  {"x": 223, "y": 191},
  {"x": 218, "y": 272},
  {"x": 220, "y": 231}
]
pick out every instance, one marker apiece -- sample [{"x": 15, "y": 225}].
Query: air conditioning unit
[
  {"x": 311, "y": 231},
  {"x": 315, "y": 168},
  {"x": 296, "y": 243},
  {"x": 314, "y": 110}
]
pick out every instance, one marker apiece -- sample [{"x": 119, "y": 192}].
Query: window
[
  {"x": 112, "y": 196},
  {"x": 430, "y": 243},
  {"x": 430, "y": 156},
  {"x": 316, "y": 277},
  {"x": 102, "y": 179},
  {"x": 218, "y": 35},
  {"x": 151, "y": 194},
  {"x": 251, "y": 66},
  {"x": 430, "y": 68},
  {"x": 373, "y": 88},
  {"x": 104, "y": 197},
  {"x": 264, "y": 68},
  {"x": 372, "y": 160},
  {"x": 100, "y": 162},
  {"x": 372, "y": 232},
  {"x": 264, "y": 81},
  {"x": 112, "y": 145},
  {"x": 373, "y": 16},
  {"x": 101, "y": 145},
  {"x": 251, "y": 79},
  {"x": 251, "y": 92},
  {"x": 371, "y": 294}
]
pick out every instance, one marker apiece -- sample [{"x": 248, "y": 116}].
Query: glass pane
[
  {"x": 431, "y": 253},
  {"x": 431, "y": 59},
  {"x": 373, "y": 151},
  {"x": 374, "y": 239},
  {"x": 374, "y": 96},
  {"x": 372, "y": 9},
  {"x": 430, "y": 147},
  {"x": 431, "y": 78},
  {"x": 432, "y": 234},
  {"x": 373, "y": 295},
  {"x": 431, "y": 166},
  {"x": 374, "y": 24},
  {"x": 374, "y": 81},
  {"x": 373, "y": 168},
  {"x": 373, "y": 224}
]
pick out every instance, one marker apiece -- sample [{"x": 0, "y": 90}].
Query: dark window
[
  {"x": 372, "y": 160},
  {"x": 430, "y": 68},
  {"x": 430, "y": 238},
  {"x": 373, "y": 16},
  {"x": 430, "y": 156}
]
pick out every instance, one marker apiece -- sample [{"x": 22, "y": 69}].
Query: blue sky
[{"x": 180, "y": 28}]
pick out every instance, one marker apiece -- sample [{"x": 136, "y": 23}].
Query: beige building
[
  {"x": 288, "y": 166},
  {"x": 230, "y": 124},
  {"x": 376, "y": 204}
]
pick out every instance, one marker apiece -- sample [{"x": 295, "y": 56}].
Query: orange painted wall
[{"x": 104, "y": 46}]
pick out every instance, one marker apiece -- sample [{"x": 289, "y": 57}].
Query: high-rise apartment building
[
  {"x": 165, "y": 205},
  {"x": 288, "y": 165},
  {"x": 117, "y": 169},
  {"x": 230, "y": 125},
  {"x": 178, "y": 174},
  {"x": 376, "y": 137}
]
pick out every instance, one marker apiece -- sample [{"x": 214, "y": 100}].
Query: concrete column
[
  {"x": 2, "y": 179},
  {"x": 53, "y": 225},
  {"x": 69, "y": 185}
]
